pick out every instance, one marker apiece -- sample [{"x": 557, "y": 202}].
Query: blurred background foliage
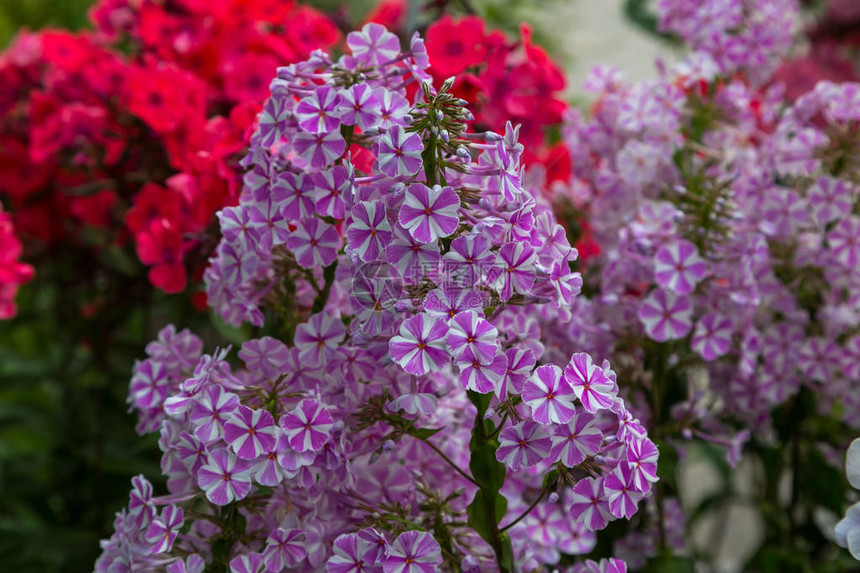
[{"x": 33, "y": 14}]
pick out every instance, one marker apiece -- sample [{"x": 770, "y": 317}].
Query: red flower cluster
[
  {"x": 134, "y": 130},
  {"x": 511, "y": 81},
  {"x": 13, "y": 273},
  {"x": 833, "y": 52}
]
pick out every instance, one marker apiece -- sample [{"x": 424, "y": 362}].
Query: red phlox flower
[{"x": 161, "y": 246}]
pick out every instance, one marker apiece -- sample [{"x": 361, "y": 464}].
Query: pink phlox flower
[
  {"x": 318, "y": 338},
  {"x": 712, "y": 337},
  {"x": 567, "y": 284},
  {"x": 414, "y": 260},
  {"x": 192, "y": 564},
  {"x": 190, "y": 451},
  {"x": 359, "y": 106},
  {"x": 319, "y": 150},
  {"x": 830, "y": 199},
  {"x": 844, "y": 242},
  {"x": 331, "y": 187},
  {"x": 314, "y": 243},
  {"x": 163, "y": 530},
  {"x": 589, "y": 504},
  {"x": 237, "y": 226},
  {"x": 420, "y": 347},
  {"x": 642, "y": 457},
  {"x": 267, "y": 357},
  {"x": 515, "y": 270},
  {"x": 679, "y": 267},
  {"x": 415, "y": 404},
  {"x": 785, "y": 212},
  {"x": 482, "y": 378},
  {"x": 468, "y": 331},
  {"x": 353, "y": 554},
  {"x": 629, "y": 428},
  {"x": 521, "y": 361},
  {"x": 398, "y": 152},
  {"x": 622, "y": 491},
  {"x": 430, "y": 213},
  {"x": 369, "y": 231},
  {"x": 224, "y": 477},
  {"x": 210, "y": 411},
  {"x": 549, "y": 395},
  {"x": 577, "y": 540},
  {"x": 373, "y": 44},
  {"x": 393, "y": 108},
  {"x": 576, "y": 440},
  {"x": 319, "y": 112},
  {"x": 355, "y": 364},
  {"x": 149, "y": 384},
  {"x": 247, "y": 563},
  {"x": 447, "y": 301},
  {"x": 250, "y": 433},
  {"x": 413, "y": 552},
  {"x": 851, "y": 358},
  {"x": 210, "y": 369},
  {"x": 818, "y": 359},
  {"x": 176, "y": 350},
  {"x": 237, "y": 266},
  {"x": 611, "y": 565},
  {"x": 665, "y": 315},
  {"x": 523, "y": 445},
  {"x": 273, "y": 120},
  {"x": 140, "y": 506},
  {"x": 468, "y": 259},
  {"x": 307, "y": 426},
  {"x": 284, "y": 548},
  {"x": 590, "y": 383},
  {"x": 294, "y": 192}
]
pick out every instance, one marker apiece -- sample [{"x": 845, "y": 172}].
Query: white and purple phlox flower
[
  {"x": 308, "y": 426},
  {"x": 549, "y": 395},
  {"x": 678, "y": 267},
  {"x": 369, "y": 232},
  {"x": 712, "y": 337},
  {"x": 576, "y": 440},
  {"x": 314, "y": 243},
  {"x": 523, "y": 445},
  {"x": 665, "y": 315},
  {"x": 224, "y": 477},
  {"x": 430, "y": 213},
  {"x": 398, "y": 153},
  {"x": 250, "y": 433},
  {"x": 413, "y": 552},
  {"x": 319, "y": 112},
  {"x": 468, "y": 331},
  {"x": 590, "y": 383},
  {"x": 420, "y": 346}
]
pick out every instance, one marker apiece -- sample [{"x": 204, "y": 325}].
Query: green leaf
[
  {"x": 424, "y": 433},
  {"x": 479, "y": 517}
]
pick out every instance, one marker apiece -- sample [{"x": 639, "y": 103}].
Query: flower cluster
[
  {"x": 830, "y": 53},
  {"x": 726, "y": 287},
  {"x": 13, "y": 273},
  {"x": 135, "y": 129},
  {"x": 747, "y": 36},
  {"x": 404, "y": 415}
]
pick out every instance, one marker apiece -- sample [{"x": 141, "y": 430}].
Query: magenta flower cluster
[{"x": 404, "y": 414}]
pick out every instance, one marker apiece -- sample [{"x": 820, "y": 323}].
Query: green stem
[
  {"x": 529, "y": 509},
  {"x": 450, "y": 461},
  {"x": 322, "y": 298}
]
